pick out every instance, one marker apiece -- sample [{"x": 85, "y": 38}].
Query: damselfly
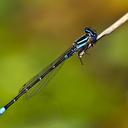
[{"x": 80, "y": 47}]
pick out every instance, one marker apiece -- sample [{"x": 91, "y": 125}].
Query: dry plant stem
[{"x": 114, "y": 26}]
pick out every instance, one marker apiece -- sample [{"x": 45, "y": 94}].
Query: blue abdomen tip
[{"x": 2, "y": 110}]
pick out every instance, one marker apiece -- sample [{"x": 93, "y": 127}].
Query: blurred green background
[{"x": 35, "y": 32}]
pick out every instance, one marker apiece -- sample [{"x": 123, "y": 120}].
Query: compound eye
[
  {"x": 87, "y": 30},
  {"x": 90, "y": 31},
  {"x": 94, "y": 39}
]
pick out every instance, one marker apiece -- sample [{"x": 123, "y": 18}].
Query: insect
[{"x": 80, "y": 46}]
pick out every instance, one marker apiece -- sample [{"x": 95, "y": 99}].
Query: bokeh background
[{"x": 35, "y": 32}]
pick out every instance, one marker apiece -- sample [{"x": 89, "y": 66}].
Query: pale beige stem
[{"x": 114, "y": 26}]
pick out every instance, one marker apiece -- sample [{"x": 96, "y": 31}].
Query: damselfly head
[{"x": 92, "y": 33}]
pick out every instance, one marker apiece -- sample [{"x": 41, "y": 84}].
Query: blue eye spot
[{"x": 92, "y": 33}]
